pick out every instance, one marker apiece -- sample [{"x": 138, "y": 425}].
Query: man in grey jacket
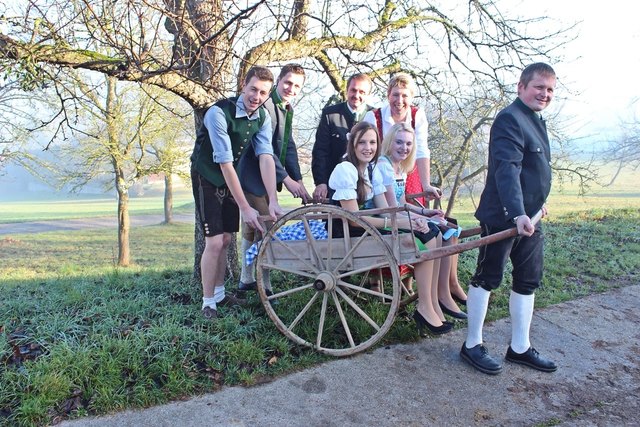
[{"x": 289, "y": 84}]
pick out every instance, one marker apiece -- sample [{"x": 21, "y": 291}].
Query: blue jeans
[{"x": 527, "y": 258}]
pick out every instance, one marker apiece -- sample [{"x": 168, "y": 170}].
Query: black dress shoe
[
  {"x": 252, "y": 286},
  {"x": 532, "y": 359},
  {"x": 457, "y": 314},
  {"x": 459, "y": 300},
  {"x": 479, "y": 358},
  {"x": 421, "y": 323}
]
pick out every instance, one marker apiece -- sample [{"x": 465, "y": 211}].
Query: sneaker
[
  {"x": 231, "y": 300},
  {"x": 532, "y": 359},
  {"x": 209, "y": 313},
  {"x": 479, "y": 358}
]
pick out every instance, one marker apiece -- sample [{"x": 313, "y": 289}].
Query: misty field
[{"x": 565, "y": 197}]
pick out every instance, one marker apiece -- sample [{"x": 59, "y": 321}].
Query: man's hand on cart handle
[{"x": 526, "y": 225}]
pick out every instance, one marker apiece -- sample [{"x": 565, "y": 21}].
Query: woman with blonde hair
[
  {"x": 399, "y": 108},
  {"x": 397, "y": 159},
  {"x": 354, "y": 188}
]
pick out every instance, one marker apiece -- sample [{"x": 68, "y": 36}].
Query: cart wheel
[{"x": 318, "y": 298}]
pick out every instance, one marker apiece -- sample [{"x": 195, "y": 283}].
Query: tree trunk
[
  {"x": 124, "y": 225},
  {"x": 615, "y": 176},
  {"x": 233, "y": 261},
  {"x": 168, "y": 198},
  {"x": 456, "y": 187},
  {"x": 198, "y": 232},
  {"x": 124, "y": 256},
  {"x": 211, "y": 66}
]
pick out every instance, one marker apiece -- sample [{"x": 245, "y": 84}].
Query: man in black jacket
[
  {"x": 518, "y": 183},
  {"x": 289, "y": 84},
  {"x": 331, "y": 137}
]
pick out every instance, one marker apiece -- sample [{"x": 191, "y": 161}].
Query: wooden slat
[{"x": 368, "y": 253}]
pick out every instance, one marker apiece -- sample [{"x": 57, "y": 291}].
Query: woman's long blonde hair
[{"x": 409, "y": 163}]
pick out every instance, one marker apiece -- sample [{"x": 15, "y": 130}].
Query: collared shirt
[
  {"x": 357, "y": 114},
  {"x": 216, "y": 123},
  {"x": 421, "y": 128}
]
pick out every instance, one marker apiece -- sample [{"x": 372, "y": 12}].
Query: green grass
[
  {"x": 564, "y": 198},
  {"x": 82, "y": 337}
]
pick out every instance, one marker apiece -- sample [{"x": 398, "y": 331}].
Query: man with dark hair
[
  {"x": 518, "y": 183},
  {"x": 289, "y": 84},
  {"x": 331, "y": 137},
  {"x": 229, "y": 128}
]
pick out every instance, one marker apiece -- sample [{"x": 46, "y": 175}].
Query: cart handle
[
  {"x": 446, "y": 251},
  {"x": 416, "y": 196}
]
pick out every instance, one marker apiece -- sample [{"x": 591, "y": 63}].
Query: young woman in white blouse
[
  {"x": 396, "y": 160},
  {"x": 354, "y": 190}
]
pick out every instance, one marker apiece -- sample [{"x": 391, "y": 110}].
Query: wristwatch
[{"x": 515, "y": 219}]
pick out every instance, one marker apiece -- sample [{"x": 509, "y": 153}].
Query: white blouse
[
  {"x": 389, "y": 177},
  {"x": 344, "y": 180},
  {"x": 387, "y": 172}
]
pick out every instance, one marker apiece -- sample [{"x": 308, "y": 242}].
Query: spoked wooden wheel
[
  {"x": 406, "y": 296},
  {"x": 319, "y": 296}
]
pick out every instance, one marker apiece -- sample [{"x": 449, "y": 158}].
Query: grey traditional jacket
[{"x": 331, "y": 140}]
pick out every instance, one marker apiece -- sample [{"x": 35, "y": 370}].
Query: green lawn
[
  {"x": 565, "y": 197},
  {"x": 80, "y": 207},
  {"x": 81, "y": 336}
]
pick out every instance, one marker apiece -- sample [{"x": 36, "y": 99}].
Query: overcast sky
[{"x": 605, "y": 77}]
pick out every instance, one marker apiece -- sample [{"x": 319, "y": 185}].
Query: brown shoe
[
  {"x": 209, "y": 313},
  {"x": 231, "y": 300}
]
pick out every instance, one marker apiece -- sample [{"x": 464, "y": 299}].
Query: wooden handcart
[{"x": 319, "y": 296}]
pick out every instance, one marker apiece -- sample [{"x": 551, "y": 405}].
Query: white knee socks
[
  {"x": 247, "y": 274},
  {"x": 477, "y": 303},
  {"x": 521, "y": 310},
  {"x": 218, "y": 295}
]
